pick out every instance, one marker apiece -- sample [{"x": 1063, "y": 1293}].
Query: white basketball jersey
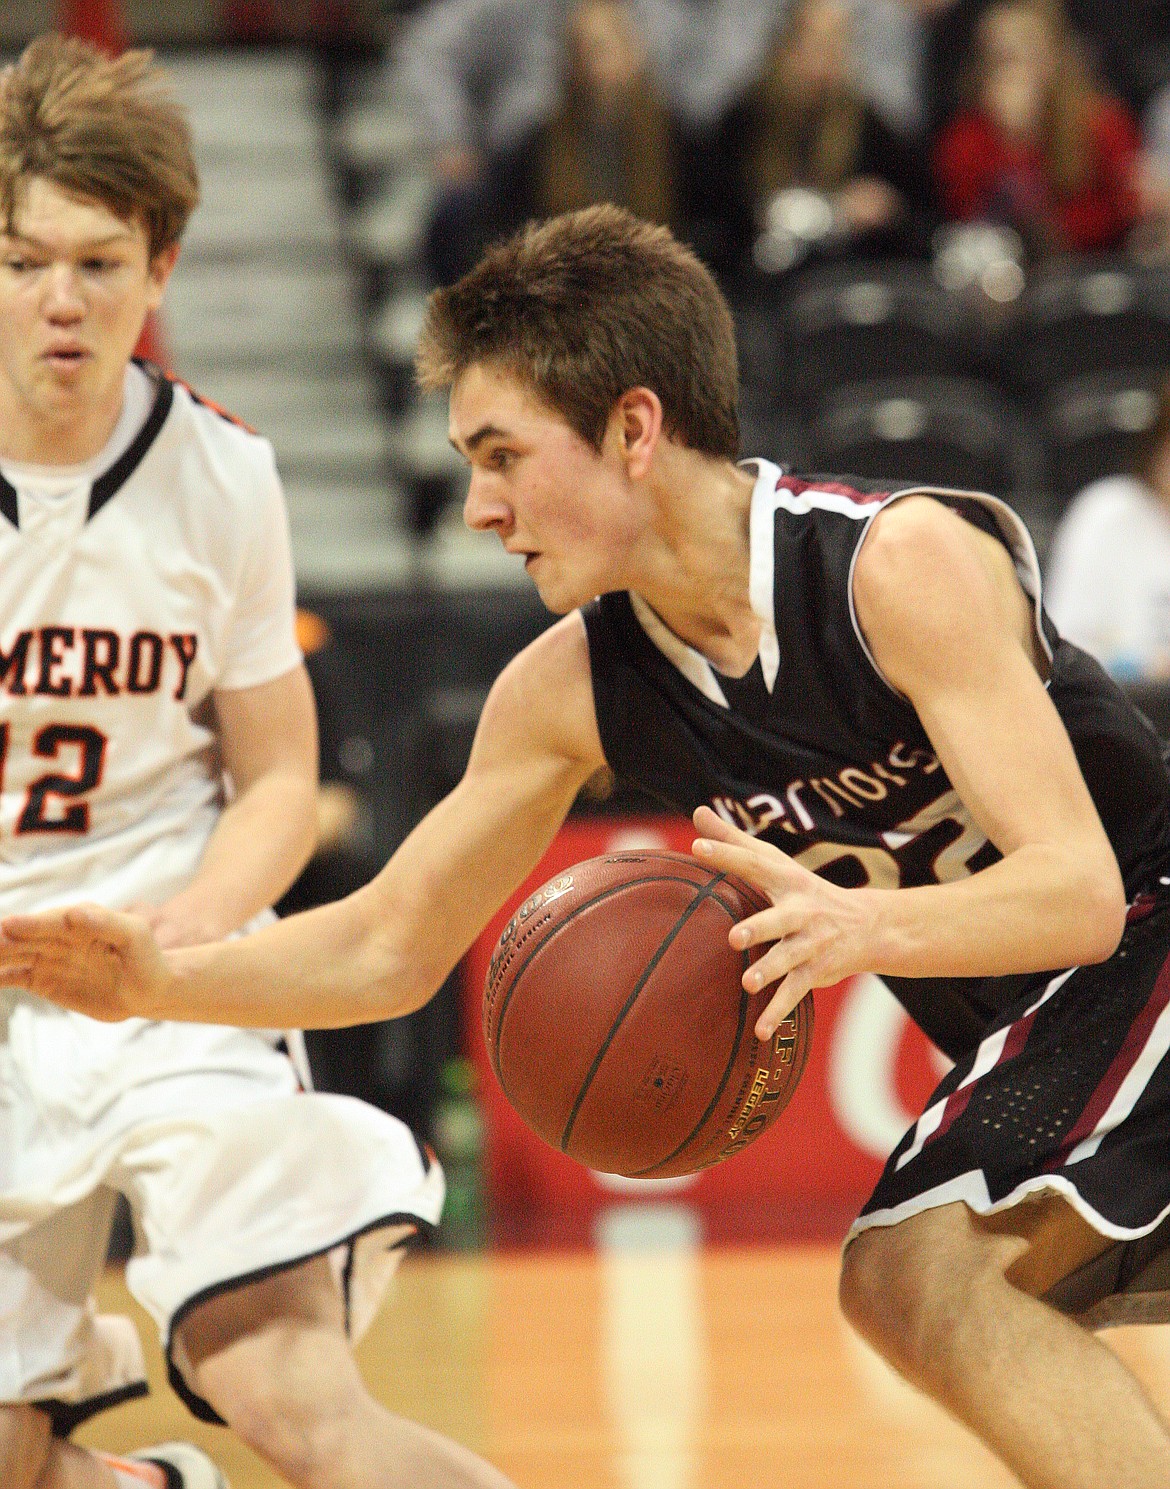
[{"x": 128, "y": 595}]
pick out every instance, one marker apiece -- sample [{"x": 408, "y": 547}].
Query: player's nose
[
  {"x": 63, "y": 298},
  {"x": 484, "y": 510}
]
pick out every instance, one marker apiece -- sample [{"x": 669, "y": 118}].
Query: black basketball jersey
[{"x": 815, "y": 751}]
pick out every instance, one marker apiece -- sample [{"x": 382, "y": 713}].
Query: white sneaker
[{"x": 186, "y": 1466}]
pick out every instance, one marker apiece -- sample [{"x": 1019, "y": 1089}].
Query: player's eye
[
  {"x": 98, "y": 265},
  {"x": 17, "y": 263},
  {"x": 501, "y": 459}
]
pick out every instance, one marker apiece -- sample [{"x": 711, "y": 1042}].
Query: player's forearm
[
  {"x": 1035, "y": 910},
  {"x": 260, "y": 844},
  {"x": 337, "y": 965}
]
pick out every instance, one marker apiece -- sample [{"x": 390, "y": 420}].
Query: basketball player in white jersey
[{"x": 148, "y": 654}]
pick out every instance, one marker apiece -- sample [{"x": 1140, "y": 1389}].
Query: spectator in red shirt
[{"x": 1037, "y": 147}]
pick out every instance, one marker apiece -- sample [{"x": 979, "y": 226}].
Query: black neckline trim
[
  {"x": 112, "y": 480},
  {"x": 123, "y": 468},
  {"x": 9, "y": 505}
]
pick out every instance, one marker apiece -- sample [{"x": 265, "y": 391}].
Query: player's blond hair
[
  {"x": 582, "y": 308},
  {"x": 97, "y": 127}
]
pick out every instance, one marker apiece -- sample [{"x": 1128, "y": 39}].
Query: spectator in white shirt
[{"x": 1109, "y": 572}]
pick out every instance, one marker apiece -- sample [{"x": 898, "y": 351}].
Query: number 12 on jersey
[{"x": 51, "y": 803}]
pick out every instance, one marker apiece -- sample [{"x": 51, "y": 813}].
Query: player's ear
[
  {"x": 162, "y": 266},
  {"x": 638, "y": 418}
]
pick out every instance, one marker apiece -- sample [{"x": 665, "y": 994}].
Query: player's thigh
[
  {"x": 53, "y": 1346},
  {"x": 1043, "y": 1239},
  {"x": 306, "y": 1295},
  {"x": 929, "y": 1267},
  {"x": 25, "y": 1439},
  {"x": 278, "y": 1346}
]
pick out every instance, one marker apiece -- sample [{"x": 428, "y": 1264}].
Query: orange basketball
[{"x": 618, "y": 1025}]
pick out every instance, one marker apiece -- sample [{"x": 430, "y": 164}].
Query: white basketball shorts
[{"x": 232, "y": 1171}]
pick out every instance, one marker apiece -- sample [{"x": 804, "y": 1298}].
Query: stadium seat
[
  {"x": 848, "y": 323},
  {"x": 951, "y": 432},
  {"x": 1077, "y": 318},
  {"x": 1092, "y": 425}
]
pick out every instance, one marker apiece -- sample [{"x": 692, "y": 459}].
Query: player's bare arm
[
  {"x": 386, "y": 949},
  {"x": 268, "y": 741},
  {"x": 949, "y": 627}
]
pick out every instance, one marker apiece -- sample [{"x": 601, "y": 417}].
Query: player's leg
[
  {"x": 952, "y": 1301},
  {"x": 25, "y": 1443},
  {"x": 273, "y": 1358},
  {"x": 56, "y": 1348},
  {"x": 32, "y": 1458}
]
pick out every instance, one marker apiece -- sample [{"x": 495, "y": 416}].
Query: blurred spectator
[
  {"x": 477, "y": 77},
  {"x": 1109, "y": 571},
  {"x": 892, "y": 40},
  {"x": 610, "y": 139},
  {"x": 1037, "y": 147},
  {"x": 707, "y": 53},
  {"x": 1127, "y": 47},
  {"x": 808, "y": 128},
  {"x": 528, "y": 111},
  {"x": 483, "y": 78}
]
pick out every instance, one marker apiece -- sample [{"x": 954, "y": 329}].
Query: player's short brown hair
[
  {"x": 97, "y": 127},
  {"x": 582, "y": 308}
]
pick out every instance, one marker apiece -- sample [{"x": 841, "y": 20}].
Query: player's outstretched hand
[
  {"x": 97, "y": 961},
  {"x": 819, "y": 932}
]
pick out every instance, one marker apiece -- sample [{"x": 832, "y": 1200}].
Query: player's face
[
  {"x": 549, "y": 496},
  {"x": 76, "y": 285}
]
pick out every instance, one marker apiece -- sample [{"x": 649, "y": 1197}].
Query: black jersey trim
[
  {"x": 111, "y": 481},
  {"x": 66, "y": 1416},
  {"x": 109, "y": 484},
  {"x": 9, "y": 504}
]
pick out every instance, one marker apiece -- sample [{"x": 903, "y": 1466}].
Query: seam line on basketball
[
  {"x": 496, "y": 1045},
  {"x": 718, "y": 1096},
  {"x": 703, "y": 894}
]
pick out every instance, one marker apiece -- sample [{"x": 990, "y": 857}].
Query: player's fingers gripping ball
[{"x": 617, "y": 1023}]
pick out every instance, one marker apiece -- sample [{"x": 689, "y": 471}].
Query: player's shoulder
[
  {"x": 910, "y": 528},
  {"x": 556, "y": 659},
  {"x": 918, "y": 554},
  {"x": 225, "y": 437}
]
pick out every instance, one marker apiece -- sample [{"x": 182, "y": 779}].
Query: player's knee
[
  {"x": 866, "y": 1290},
  {"x": 25, "y": 1440},
  {"x": 905, "y": 1292},
  {"x": 294, "y": 1416},
  {"x": 284, "y": 1430}
]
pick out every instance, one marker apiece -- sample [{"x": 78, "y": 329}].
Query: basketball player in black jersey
[{"x": 857, "y": 693}]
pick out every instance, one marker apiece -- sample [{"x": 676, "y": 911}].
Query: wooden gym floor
[{"x": 639, "y": 1369}]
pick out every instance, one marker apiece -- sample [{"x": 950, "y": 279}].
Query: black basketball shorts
[{"x": 1069, "y": 1091}]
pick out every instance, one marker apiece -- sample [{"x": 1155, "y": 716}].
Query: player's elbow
[
  {"x": 1101, "y": 907},
  {"x": 396, "y": 976}
]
